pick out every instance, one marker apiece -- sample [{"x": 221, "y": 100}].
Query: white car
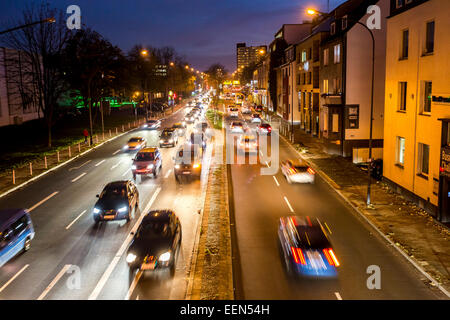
[
  {"x": 297, "y": 172},
  {"x": 246, "y": 110},
  {"x": 256, "y": 118},
  {"x": 237, "y": 127},
  {"x": 247, "y": 144}
]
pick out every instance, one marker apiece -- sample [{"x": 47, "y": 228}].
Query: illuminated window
[
  {"x": 325, "y": 86},
  {"x": 326, "y": 57},
  {"x": 424, "y": 158},
  {"x": 400, "y": 156},
  {"x": 303, "y": 55},
  {"x": 337, "y": 53},
  {"x": 427, "y": 92},
  {"x": 333, "y": 28}
]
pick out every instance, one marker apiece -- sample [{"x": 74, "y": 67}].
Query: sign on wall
[{"x": 352, "y": 117}]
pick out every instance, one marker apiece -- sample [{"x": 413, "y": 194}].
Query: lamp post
[
  {"x": 369, "y": 168},
  {"x": 48, "y": 20}
]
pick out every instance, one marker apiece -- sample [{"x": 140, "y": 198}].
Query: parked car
[
  {"x": 16, "y": 233},
  {"x": 119, "y": 200},
  {"x": 147, "y": 161}
]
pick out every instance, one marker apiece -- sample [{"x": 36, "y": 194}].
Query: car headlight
[
  {"x": 197, "y": 165},
  {"x": 125, "y": 147},
  {"x": 96, "y": 210},
  {"x": 177, "y": 166},
  {"x": 161, "y": 141},
  {"x": 133, "y": 167},
  {"x": 123, "y": 209},
  {"x": 164, "y": 257},
  {"x": 171, "y": 141},
  {"x": 145, "y": 125},
  {"x": 131, "y": 257},
  {"x": 150, "y": 166}
]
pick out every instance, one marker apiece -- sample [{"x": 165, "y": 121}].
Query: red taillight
[
  {"x": 331, "y": 257},
  {"x": 270, "y": 129},
  {"x": 298, "y": 255},
  {"x": 311, "y": 171}
]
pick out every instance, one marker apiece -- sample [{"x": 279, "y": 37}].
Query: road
[
  {"x": 67, "y": 241},
  {"x": 260, "y": 200}
]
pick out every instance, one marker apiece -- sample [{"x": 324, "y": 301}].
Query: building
[
  {"x": 18, "y": 99},
  {"x": 345, "y": 81},
  {"x": 261, "y": 80},
  {"x": 246, "y": 56},
  {"x": 160, "y": 70},
  {"x": 417, "y": 104}
]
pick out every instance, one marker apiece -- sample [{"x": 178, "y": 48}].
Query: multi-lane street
[
  {"x": 71, "y": 257},
  {"x": 259, "y": 202}
]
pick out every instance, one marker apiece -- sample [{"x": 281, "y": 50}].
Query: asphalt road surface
[
  {"x": 70, "y": 257},
  {"x": 260, "y": 200}
]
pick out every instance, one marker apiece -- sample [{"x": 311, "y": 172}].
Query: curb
[{"x": 329, "y": 180}]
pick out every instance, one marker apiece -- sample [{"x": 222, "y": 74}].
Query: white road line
[
  {"x": 276, "y": 181},
  {"x": 42, "y": 201},
  {"x": 133, "y": 285},
  {"x": 67, "y": 228},
  {"x": 116, "y": 165},
  {"x": 267, "y": 164},
  {"x": 116, "y": 152},
  {"x": 14, "y": 277},
  {"x": 54, "y": 281},
  {"x": 338, "y": 296},
  {"x": 80, "y": 165},
  {"x": 125, "y": 173},
  {"x": 289, "y": 205},
  {"x": 122, "y": 249},
  {"x": 100, "y": 163},
  {"x": 79, "y": 177},
  {"x": 167, "y": 174},
  {"x": 328, "y": 228}
]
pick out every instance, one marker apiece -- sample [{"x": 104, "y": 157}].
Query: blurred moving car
[
  {"x": 246, "y": 110},
  {"x": 234, "y": 112},
  {"x": 156, "y": 243},
  {"x": 152, "y": 124},
  {"x": 180, "y": 127},
  {"x": 147, "y": 161},
  {"x": 198, "y": 138},
  {"x": 201, "y": 127},
  {"x": 305, "y": 247},
  {"x": 168, "y": 137},
  {"x": 265, "y": 129},
  {"x": 16, "y": 233},
  {"x": 135, "y": 143},
  {"x": 188, "y": 162},
  {"x": 256, "y": 118},
  {"x": 297, "y": 172},
  {"x": 247, "y": 144},
  {"x": 119, "y": 200},
  {"x": 237, "y": 127},
  {"x": 259, "y": 108}
]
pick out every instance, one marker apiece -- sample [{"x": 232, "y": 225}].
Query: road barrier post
[
  {"x": 110, "y": 133},
  {"x": 116, "y": 131},
  {"x": 45, "y": 162},
  {"x": 14, "y": 177},
  {"x": 103, "y": 135},
  {"x": 79, "y": 148},
  {"x": 70, "y": 153},
  {"x": 129, "y": 125},
  {"x": 31, "y": 169},
  {"x": 123, "y": 129},
  {"x": 57, "y": 155}
]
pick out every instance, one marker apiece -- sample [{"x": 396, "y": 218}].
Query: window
[
  {"x": 405, "y": 44},
  {"x": 448, "y": 134},
  {"x": 344, "y": 22},
  {"x": 326, "y": 57},
  {"x": 337, "y": 53},
  {"x": 429, "y": 43},
  {"x": 325, "y": 86},
  {"x": 335, "y": 122},
  {"x": 402, "y": 91},
  {"x": 399, "y": 3},
  {"x": 427, "y": 91},
  {"x": 299, "y": 101},
  {"x": 424, "y": 157},
  {"x": 309, "y": 77},
  {"x": 333, "y": 28},
  {"x": 400, "y": 157},
  {"x": 309, "y": 53},
  {"x": 303, "y": 55}
]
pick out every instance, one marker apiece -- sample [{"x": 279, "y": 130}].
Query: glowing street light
[
  {"x": 172, "y": 64},
  {"x": 186, "y": 66},
  {"x": 313, "y": 12},
  {"x": 144, "y": 52}
]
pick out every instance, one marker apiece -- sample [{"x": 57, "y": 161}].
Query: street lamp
[
  {"x": 48, "y": 20},
  {"x": 369, "y": 168},
  {"x": 144, "y": 52}
]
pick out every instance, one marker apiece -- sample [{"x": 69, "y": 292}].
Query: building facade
[
  {"x": 246, "y": 56},
  {"x": 417, "y": 103}
]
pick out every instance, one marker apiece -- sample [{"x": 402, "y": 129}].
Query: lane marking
[
  {"x": 267, "y": 164},
  {"x": 14, "y": 277},
  {"x": 80, "y": 165},
  {"x": 125, "y": 173},
  {"x": 338, "y": 296},
  {"x": 67, "y": 228},
  {"x": 116, "y": 165},
  {"x": 116, "y": 152},
  {"x": 54, "y": 281},
  {"x": 289, "y": 205},
  {"x": 42, "y": 201},
  {"x": 167, "y": 174},
  {"x": 100, "y": 163},
  {"x": 133, "y": 285},
  {"x": 276, "y": 181},
  {"x": 121, "y": 250},
  {"x": 329, "y": 230},
  {"x": 79, "y": 177}
]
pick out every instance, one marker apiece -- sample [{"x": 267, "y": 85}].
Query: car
[
  {"x": 247, "y": 144},
  {"x": 305, "y": 247},
  {"x": 188, "y": 162},
  {"x": 147, "y": 161},
  {"x": 246, "y": 110},
  {"x": 135, "y": 143},
  {"x": 156, "y": 243},
  {"x": 297, "y": 172},
  {"x": 237, "y": 127},
  {"x": 152, "y": 124},
  {"x": 264, "y": 129},
  {"x": 16, "y": 233},
  {"x": 201, "y": 127},
  {"x": 259, "y": 108},
  {"x": 119, "y": 200},
  {"x": 190, "y": 118},
  {"x": 256, "y": 118},
  {"x": 168, "y": 137},
  {"x": 198, "y": 138},
  {"x": 180, "y": 128},
  {"x": 234, "y": 112}
]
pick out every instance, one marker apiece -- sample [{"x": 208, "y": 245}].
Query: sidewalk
[{"x": 410, "y": 228}]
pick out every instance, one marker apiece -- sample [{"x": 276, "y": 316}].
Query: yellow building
[{"x": 417, "y": 103}]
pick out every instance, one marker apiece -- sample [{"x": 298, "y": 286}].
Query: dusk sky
[{"x": 203, "y": 31}]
